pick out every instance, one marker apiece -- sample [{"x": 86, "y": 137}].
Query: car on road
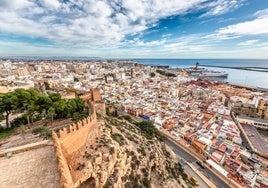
[
  {"x": 194, "y": 181},
  {"x": 181, "y": 163},
  {"x": 200, "y": 164}
]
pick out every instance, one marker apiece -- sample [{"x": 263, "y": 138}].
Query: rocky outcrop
[{"x": 121, "y": 157}]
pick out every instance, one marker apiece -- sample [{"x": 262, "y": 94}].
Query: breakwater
[{"x": 257, "y": 69}]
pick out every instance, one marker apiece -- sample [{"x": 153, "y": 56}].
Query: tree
[
  {"x": 71, "y": 107},
  {"x": 152, "y": 74},
  {"x": 54, "y": 97},
  {"x": 60, "y": 108},
  {"x": 80, "y": 105},
  {"x": 31, "y": 106},
  {"x": 76, "y": 79},
  {"x": 27, "y": 102},
  {"x": 8, "y": 104},
  {"x": 47, "y": 86},
  {"x": 51, "y": 113},
  {"x": 22, "y": 130},
  {"x": 24, "y": 97},
  {"x": 31, "y": 103},
  {"x": 43, "y": 103}
]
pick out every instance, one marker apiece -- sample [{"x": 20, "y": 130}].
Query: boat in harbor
[
  {"x": 194, "y": 71},
  {"x": 202, "y": 72}
]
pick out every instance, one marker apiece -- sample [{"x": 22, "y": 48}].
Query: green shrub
[
  {"x": 149, "y": 130},
  {"x": 111, "y": 151},
  {"x": 184, "y": 176},
  {"x": 5, "y": 132},
  {"x": 42, "y": 132},
  {"x": 19, "y": 121},
  {"x": 80, "y": 166},
  {"x": 2, "y": 117},
  {"x": 126, "y": 117},
  {"x": 152, "y": 74},
  {"x": 118, "y": 138},
  {"x": 146, "y": 182}
]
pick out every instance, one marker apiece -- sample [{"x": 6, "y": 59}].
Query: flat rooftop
[{"x": 256, "y": 139}]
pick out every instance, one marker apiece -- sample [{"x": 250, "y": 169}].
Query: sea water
[{"x": 242, "y": 77}]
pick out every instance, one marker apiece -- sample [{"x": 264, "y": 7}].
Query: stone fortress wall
[{"x": 69, "y": 140}]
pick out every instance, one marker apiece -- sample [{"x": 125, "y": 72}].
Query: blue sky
[{"x": 135, "y": 28}]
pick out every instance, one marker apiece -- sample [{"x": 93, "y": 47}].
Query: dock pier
[{"x": 257, "y": 69}]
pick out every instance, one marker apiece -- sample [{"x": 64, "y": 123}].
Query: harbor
[{"x": 204, "y": 73}]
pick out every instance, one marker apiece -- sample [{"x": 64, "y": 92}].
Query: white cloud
[
  {"x": 91, "y": 22},
  {"x": 257, "y": 26},
  {"x": 15, "y": 4},
  {"x": 262, "y": 13},
  {"x": 247, "y": 43},
  {"x": 219, "y": 7},
  {"x": 151, "y": 43},
  {"x": 50, "y": 4},
  {"x": 254, "y": 27},
  {"x": 167, "y": 35},
  {"x": 83, "y": 27}
]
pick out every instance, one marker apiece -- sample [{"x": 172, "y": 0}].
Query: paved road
[
  {"x": 191, "y": 172},
  {"x": 188, "y": 157}
]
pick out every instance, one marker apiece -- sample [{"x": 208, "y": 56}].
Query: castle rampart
[
  {"x": 65, "y": 174},
  {"x": 69, "y": 140}
]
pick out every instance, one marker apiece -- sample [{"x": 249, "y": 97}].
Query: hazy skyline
[{"x": 135, "y": 29}]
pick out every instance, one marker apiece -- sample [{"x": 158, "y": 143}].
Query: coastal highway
[
  {"x": 181, "y": 153},
  {"x": 191, "y": 172}
]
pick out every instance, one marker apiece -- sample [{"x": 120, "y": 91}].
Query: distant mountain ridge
[{"x": 49, "y": 58}]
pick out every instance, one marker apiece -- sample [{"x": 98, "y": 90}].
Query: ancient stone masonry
[
  {"x": 65, "y": 175},
  {"x": 69, "y": 140},
  {"x": 74, "y": 137}
]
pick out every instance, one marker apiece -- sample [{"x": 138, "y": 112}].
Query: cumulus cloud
[{"x": 94, "y": 22}]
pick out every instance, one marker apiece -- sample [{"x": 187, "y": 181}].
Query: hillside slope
[{"x": 124, "y": 156}]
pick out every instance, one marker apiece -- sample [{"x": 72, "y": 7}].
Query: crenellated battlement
[
  {"x": 69, "y": 140},
  {"x": 86, "y": 96},
  {"x": 65, "y": 131}
]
